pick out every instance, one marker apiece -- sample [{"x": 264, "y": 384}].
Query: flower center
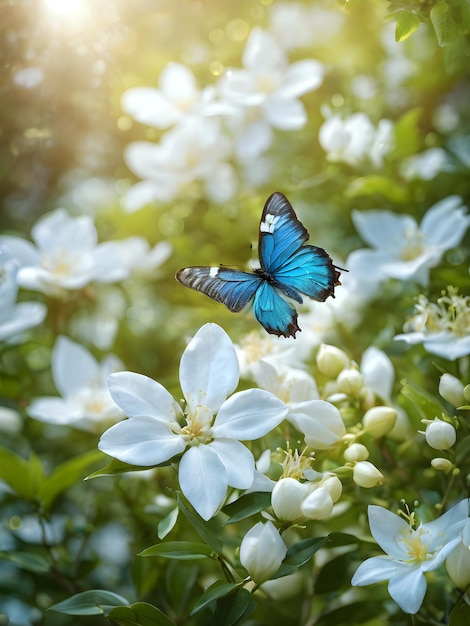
[
  {"x": 198, "y": 427},
  {"x": 416, "y": 543},
  {"x": 413, "y": 245},
  {"x": 59, "y": 263}
]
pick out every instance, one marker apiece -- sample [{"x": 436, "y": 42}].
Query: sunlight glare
[{"x": 70, "y": 10}]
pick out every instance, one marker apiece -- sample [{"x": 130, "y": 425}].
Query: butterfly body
[{"x": 288, "y": 268}]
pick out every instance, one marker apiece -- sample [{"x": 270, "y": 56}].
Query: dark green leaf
[
  {"x": 460, "y": 615},
  {"x": 184, "y": 550},
  {"x": 444, "y": 24},
  {"x": 16, "y": 472},
  {"x": 139, "y": 614},
  {"x": 246, "y": 506},
  {"x": 208, "y": 531},
  {"x": 117, "y": 467},
  {"x": 334, "y": 575},
  {"x": 214, "y": 592},
  {"x": 422, "y": 401},
  {"x": 407, "y": 24},
  {"x": 300, "y": 552},
  {"x": 93, "y": 602},
  {"x": 232, "y": 609},
  {"x": 341, "y": 539},
  {"x": 357, "y": 613},
  {"x": 27, "y": 560},
  {"x": 167, "y": 524},
  {"x": 65, "y": 475}
]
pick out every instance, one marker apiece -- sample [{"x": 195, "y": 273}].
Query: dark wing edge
[{"x": 231, "y": 287}]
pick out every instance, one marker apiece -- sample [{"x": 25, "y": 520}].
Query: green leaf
[
  {"x": 356, "y": 613},
  {"x": 300, "y": 552},
  {"x": 183, "y": 550},
  {"x": 16, "y": 472},
  {"x": 334, "y": 575},
  {"x": 214, "y": 592},
  {"x": 407, "y": 24},
  {"x": 341, "y": 539},
  {"x": 208, "y": 531},
  {"x": 30, "y": 561},
  {"x": 460, "y": 615},
  {"x": 378, "y": 185},
  {"x": 246, "y": 506},
  {"x": 233, "y": 608},
  {"x": 422, "y": 401},
  {"x": 93, "y": 602},
  {"x": 139, "y": 614},
  {"x": 118, "y": 467},
  {"x": 407, "y": 135},
  {"x": 65, "y": 475},
  {"x": 167, "y": 524},
  {"x": 444, "y": 24}
]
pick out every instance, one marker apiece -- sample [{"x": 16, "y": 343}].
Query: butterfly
[{"x": 287, "y": 269}]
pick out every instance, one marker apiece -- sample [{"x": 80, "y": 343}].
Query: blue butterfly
[{"x": 288, "y": 268}]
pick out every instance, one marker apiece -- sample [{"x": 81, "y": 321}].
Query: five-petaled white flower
[
  {"x": 410, "y": 552},
  {"x": 85, "y": 400},
  {"x": 208, "y": 433},
  {"x": 401, "y": 248}
]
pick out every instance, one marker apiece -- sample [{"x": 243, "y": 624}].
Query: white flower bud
[
  {"x": 458, "y": 561},
  {"x": 334, "y": 486},
  {"x": 366, "y": 475},
  {"x": 379, "y": 420},
  {"x": 262, "y": 551},
  {"x": 440, "y": 435},
  {"x": 356, "y": 452},
  {"x": 351, "y": 382},
  {"x": 451, "y": 389},
  {"x": 287, "y": 497},
  {"x": 441, "y": 464},
  {"x": 331, "y": 360},
  {"x": 466, "y": 393},
  {"x": 318, "y": 504}
]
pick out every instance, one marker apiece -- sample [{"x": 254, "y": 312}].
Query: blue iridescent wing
[
  {"x": 292, "y": 266},
  {"x": 231, "y": 287},
  {"x": 274, "y": 313}
]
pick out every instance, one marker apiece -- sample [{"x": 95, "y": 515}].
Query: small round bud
[
  {"x": 451, "y": 389},
  {"x": 466, "y": 393},
  {"x": 350, "y": 381},
  {"x": 318, "y": 504},
  {"x": 331, "y": 360},
  {"x": 366, "y": 475},
  {"x": 356, "y": 452},
  {"x": 334, "y": 487},
  {"x": 441, "y": 464},
  {"x": 440, "y": 435},
  {"x": 379, "y": 420}
]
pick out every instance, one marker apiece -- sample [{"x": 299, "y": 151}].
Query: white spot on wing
[
  {"x": 269, "y": 224},
  {"x": 213, "y": 272}
]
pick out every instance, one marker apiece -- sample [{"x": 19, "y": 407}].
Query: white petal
[
  {"x": 146, "y": 192},
  {"x": 286, "y": 114},
  {"x": 149, "y": 106},
  {"x": 138, "y": 395},
  {"x": 141, "y": 441},
  {"x": 248, "y": 415},
  {"x": 238, "y": 462},
  {"x": 262, "y": 53},
  {"x": 445, "y": 222},
  {"x": 59, "y": 230},
  {"x": 53, "y": 411},
  {"x": 21, "y": 250},
  {"x": 145, "y": 159},
  {"x": 208, "y": 368},
  {"x": 73, "y": 366},
  {"x": 375, "y": 570},
  {"x": 203, "y": 480},
  {"x": 383, "y": 230},
  {"x": 179, "y": 84},
  {"x": 301, "y": 77},
  {"x": 453, "y": 348},
  {"x": 408, "y": 588},
  {"x": 20, "y": 317},
  {"x": 386, "y": 528},
  {"x": 378, "y": 372}
]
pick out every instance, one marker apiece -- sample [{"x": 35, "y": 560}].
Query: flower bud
[
  {"x": 379, "y": 420},
  {"x": 334, "y": 486},
  {"x": 458, "y": 561},
  {"x": 331, "y": 360},
  {"x": 451, "y": 389},
  {"x": 440, "y": 435},
  {"x": 351, "y": 382},
  {"x": 366, "y": 475},
  {"x": 262, "y": 551},
  {"x": 287, "y": 497},
  {"x": 356, "y": 452},
  {"x": 466, "y": 393},
  {"x": 318, "y": 504},
  {"x": 443, "y": 465}
]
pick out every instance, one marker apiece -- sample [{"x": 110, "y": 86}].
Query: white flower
[
  {"x": 400, "y": 248},
  {"x": 15, "y": 317},
  {"x": 267, "y": 92},
  {"x": 82, "y": 383},
  {"x": 426, "y": 165},
  {"x": 178, "y": 97},
  {"x": 319, "y": 421},
  {"x": 195, "y": 150},
  {"x": 439, "y": 435},
  {"x": 207, "y": 434},
  {"x": 262, "y": 551},
  {"x": 410, "y": 552},
  {"x": 354, "y": 139},
  {"x": 443, "y": 328},
  {"x": 68, "y": 256},
  {"x": 297, "y": 26}
]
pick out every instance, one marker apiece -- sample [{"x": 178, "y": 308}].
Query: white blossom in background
[
  {"x": 194, "y": 151},
  {"x": 82, "y": 382},
  {"x": 443, "y": 327},
  {"x": 208, "y": 433},
  {"x": 258, "y": 346},
  {"x": 426, "y": 165},
  {"x": 355, "y": 139},
  {"x": 67, "y": 255},
  {"x": 296, "y": 25},
  {"x": 15, "y": 317},
  {"x": 266, "y": 92},
  {"x": 177, "y": 98},
  {"x": 411, "y": 552},
  {"x": 400, "y": 248}
]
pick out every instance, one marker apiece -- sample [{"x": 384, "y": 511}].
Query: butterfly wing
[
  {"x": 274, "y": 313},
  {"x": 231, "y": 287},
  {"x": 293, "y": 266}
]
